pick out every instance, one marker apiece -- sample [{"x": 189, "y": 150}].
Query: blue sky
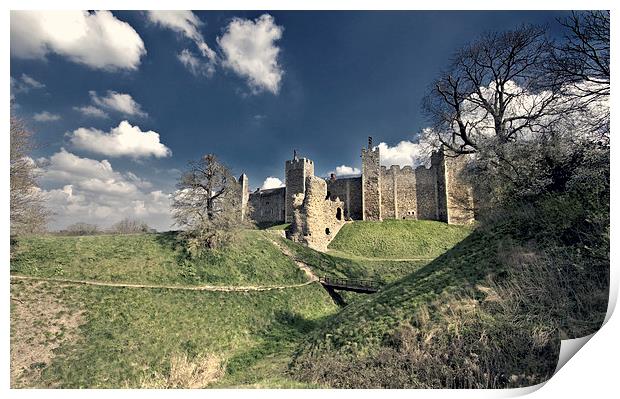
[{"x": 247, "y": 86}]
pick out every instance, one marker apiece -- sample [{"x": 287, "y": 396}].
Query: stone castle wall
[
  {"x": 317, "y": 218},
  {"x": 435, "y": 193},
  {"x": 268, "y": 205},
  {"x": 296, "y": 171},
  {"x": 371, "y": 183},
  {"x": 349, "y": 191}
]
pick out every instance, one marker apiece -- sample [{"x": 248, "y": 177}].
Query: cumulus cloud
[
  {"x": 90, "y": 110},
  {"x": 95, "y": 39},
  {"x": 346, "y": 171},
  {"x": 249, "y": 49},
  {"x": 405, "y": 153},
  {"x": 271, "y": 182},
  {"x": 120, "y": 102},
  {"x": 91, "y": 191},
  {"x": 123, "y": 140},
  {"x": 187, "y": 24},
  {"x": 45, "y": 117}
]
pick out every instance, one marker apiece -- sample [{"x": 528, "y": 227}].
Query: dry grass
[
  {"x": 184, "y": 372},
  {"x": 40, "y": 323}
]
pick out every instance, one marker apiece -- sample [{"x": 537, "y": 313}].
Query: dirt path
[
  {"x": 303, "y": 266},
  {"x": 170, "y": 287}
]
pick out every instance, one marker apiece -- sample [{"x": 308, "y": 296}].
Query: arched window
[{"x": 339, "y": 214}]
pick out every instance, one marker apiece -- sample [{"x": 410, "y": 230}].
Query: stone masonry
[{"x": 317, "y": 207}]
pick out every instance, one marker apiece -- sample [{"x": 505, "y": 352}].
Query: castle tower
[
  {"x": 371, "y": 183},
  {"x": 296, "y": 171},
  {"x": 245, "y": 195}
]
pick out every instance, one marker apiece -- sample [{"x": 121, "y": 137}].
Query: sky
[{"x": 119, "y": 102}]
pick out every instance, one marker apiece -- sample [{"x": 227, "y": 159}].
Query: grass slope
[
  {"x": 127, "y": 336},
  {"x": 398, "y": 239},
  {"x": 154, "y": 258}
]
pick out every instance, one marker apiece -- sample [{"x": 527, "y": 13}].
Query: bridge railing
[{"x": 350, "y": 283}]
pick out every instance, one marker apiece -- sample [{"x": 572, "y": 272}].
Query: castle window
[
  {"x": 327, "y": 231},
  {"x": 339, "y": 214}
]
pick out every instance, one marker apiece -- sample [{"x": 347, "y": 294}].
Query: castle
[{"x": 318, "y": 207}]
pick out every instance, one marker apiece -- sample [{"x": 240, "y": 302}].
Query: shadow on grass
[{"x": 278, "y": 339}]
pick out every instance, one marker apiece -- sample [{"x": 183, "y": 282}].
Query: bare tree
[
  {"x": 583, "y": 57},
  {"x": 130, "y": 226},
  {"x": 207, "y": 204},
  {"x": 487, "y": 91},
  {"x": 28, "y": 213}
]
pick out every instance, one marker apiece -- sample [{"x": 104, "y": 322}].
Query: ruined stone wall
[
  {"x": 268, "y": 205},
  {"x": 388, "y": 192},
  {"x": 406, "y": 194},
  {"x": 296, "y": 171},
  {"x": 317, "y": 219},
  {"x": 245, "y": 195},
  {"x": 371, "y": 183},
  {"x": 426, "y": 193},
  {"x": 349, "y": 191},
  {"x": 459, "y": 194}
]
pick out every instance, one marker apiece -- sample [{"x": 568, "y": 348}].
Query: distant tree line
[{"x": 124, "y": 226}]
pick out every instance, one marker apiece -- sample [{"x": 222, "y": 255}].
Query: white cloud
[
  {"x": 187, "y": 24},
  {"x": 271, "y": 182},
  {"x": 344, "y": 170},
  {"x": 46, "y": 117},
  {"x": 405, "y": 153},
  {"x": 24, "y": 84},
  {"x": 249, "y": 50},
  {"x": 91, "y": 191},
  {"x": 123, "y": 140},
  {"x": 31, "y": 82},
  {"x": 195, "y": 65},
  {"x": 90, "y": 110},
  {"x": 120, "y": 102},
  {"x": 96, "y": 39}
]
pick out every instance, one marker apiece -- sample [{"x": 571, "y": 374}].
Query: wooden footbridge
[{"x": 345, "y": 284}]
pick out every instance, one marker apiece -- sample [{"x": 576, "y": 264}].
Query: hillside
[
  {"x": 487, "y": 313},
  {"x": 397, "y": 239},
  {"x": 154, "y": 258}
]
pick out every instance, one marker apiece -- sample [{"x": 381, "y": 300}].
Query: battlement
[{"x": 298, "y": 163}]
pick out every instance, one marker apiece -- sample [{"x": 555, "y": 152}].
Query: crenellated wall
[
  {"x": 268, "y": 205},
  {"x": 438, "y": 192}
]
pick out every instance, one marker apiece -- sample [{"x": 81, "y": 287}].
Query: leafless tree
[
  {"x": 583, "y": 56},
  {"x": 28, "y": 213},
  {"x": 81, "y": 229},
  {"x": 130, "y": 226},
  {"x": 484, "y": 93},
  {"x": 207, "y": 204}
]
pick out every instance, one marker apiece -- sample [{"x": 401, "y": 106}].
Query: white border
[{"x": 592, "y": 372}]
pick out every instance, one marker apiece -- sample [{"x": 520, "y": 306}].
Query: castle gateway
[{"x": 434, "y": 193}]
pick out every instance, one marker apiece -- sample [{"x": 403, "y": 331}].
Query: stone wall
[
  {"x": 317, "y": 219},
  {"x": 426, "y": 193},
  {"x": 371, "y": 183},
  {"x": 460, "y": 199},
  {"x": 268, "y": 205},
  {"x": 349, "y": 191},
  {"x": 296, "y": 171},
  {"x": 245, "y": 196},
  {"x": 406, "y": 194}
]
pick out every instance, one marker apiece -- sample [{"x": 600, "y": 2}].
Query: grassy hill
[
  {"x": 154, "y": 258},
  {"x": 398, "y": 239},
  {"x": 486, "y": 313}
]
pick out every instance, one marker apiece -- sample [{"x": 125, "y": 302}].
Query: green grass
[
  {"x": 154, "y": 259},
  {"x": 130, "y": 334},
  {"x": 363, "y": 324},
  {"x": 398, "y": 239}
]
